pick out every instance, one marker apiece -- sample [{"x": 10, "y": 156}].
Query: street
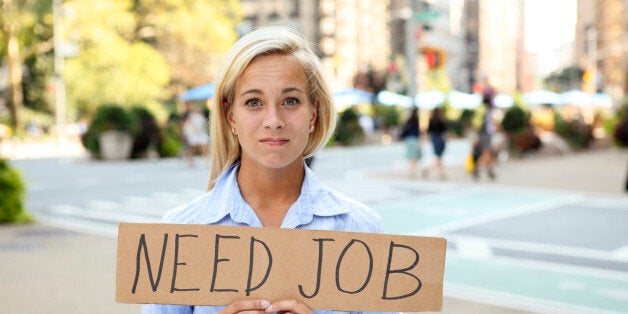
[{"x": 517, "y": 248}]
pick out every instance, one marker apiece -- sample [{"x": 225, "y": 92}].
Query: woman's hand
[
  {"x": 264, "y": 306},
  {"x": 289, "y": 306},
  {"x": 248, "y": 307}
]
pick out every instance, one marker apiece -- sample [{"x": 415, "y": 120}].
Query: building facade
[
  {"x": 349, "y": 35},
  {"x": 601, "y": 46}
]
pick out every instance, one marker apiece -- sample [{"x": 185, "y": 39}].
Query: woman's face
[{"x": 271, "y": 114}]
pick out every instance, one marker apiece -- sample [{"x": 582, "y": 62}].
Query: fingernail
[{"x": 265, "y": 304}]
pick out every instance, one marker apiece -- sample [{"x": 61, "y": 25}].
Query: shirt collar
[{"x": 314, "y": 200}]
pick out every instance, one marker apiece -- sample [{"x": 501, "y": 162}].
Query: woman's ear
[
  {"x": 314, "y": 113},
  {"x": 229, "y": 114}
]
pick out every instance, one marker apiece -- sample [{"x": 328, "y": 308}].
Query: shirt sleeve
[{"x": 166, "y": 309}]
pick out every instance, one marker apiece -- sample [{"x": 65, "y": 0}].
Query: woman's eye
[
  {"x": 253, "y": 103},
  {"x": 291, "y": 101}
]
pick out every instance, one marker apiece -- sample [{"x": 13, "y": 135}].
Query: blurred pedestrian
[
  {"x": 486, "y": 159},
  {"x": 272, "y": 109},
  {"x": 195, "y": 133},
  {"x": 410, "y": 134},
  {"x": 437, "y": 129}
]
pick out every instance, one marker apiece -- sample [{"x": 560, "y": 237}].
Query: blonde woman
[{"x": 272, "y": 109}]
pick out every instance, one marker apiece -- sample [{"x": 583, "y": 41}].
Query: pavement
[{"x": 51, "y": 270}]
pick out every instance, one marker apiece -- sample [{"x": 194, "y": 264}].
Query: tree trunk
[
  {"x": 16, "y": 99},
  {"x": 14, "y": 60}
]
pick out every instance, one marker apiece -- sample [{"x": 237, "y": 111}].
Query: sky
[{"x": 549, "y": 24}]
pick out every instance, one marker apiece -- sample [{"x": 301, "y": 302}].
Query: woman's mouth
[{"x": 274, "y": 141}]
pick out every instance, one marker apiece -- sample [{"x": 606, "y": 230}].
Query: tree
[
  {"x": 565, "y": 79},
  {"x": 133, "y": 51},
  {"x": 192, "y": 35},
  {"x": 24, "y": 32},
  {"x": 130, "y": 51}
]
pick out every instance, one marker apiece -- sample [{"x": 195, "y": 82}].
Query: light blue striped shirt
[{"x": 317, "y": 208}]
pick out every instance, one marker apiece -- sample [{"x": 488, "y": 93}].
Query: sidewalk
[
  {"x": 42, "y": 148},
  {"x": 601, "y": 170},
  {"x": 50, "y": 270}
]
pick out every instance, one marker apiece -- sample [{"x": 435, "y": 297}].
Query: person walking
[
  {"x": 195, "y": 133},
  {"x": 272, "y": 109},
  {"x": 486, "y": 157},
  {"x": 410, "y": 134},
  {"x": 437, "y": 129}
]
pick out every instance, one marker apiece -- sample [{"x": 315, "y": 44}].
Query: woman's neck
[{"x": 270, "y": 192}]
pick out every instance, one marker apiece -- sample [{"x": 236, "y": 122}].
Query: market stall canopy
[
  {"x": 461, "y": 100},
  {"x": 389, "y": 98},
  {"x": 575, "y": 97},
  {"x": 430, "y": 99},
  {"x": 582, "y": 99},
  {"x": 352, "y": 96},
  {"x": 602, "y": 100},
  {"x": 541, "y": 97},
  {"x": 503, "y": 101},
  {"x": 202, "y": 92}
]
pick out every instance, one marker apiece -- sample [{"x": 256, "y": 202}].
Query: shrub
[
  {"x": 516, "y": 120},
  {"x": 620, "y": 129},
  {"x": 460, "y": 125},
  {"x": 148, "y": 134},
  {"x": 577, "y": 133},
  {"x": 387, "y": 116},
  {"x": 349, "y": 131},
  {"x": 12, "y": 195},
  {"x": 170, "y": 145},
  {"x": 107, "y": 117}
]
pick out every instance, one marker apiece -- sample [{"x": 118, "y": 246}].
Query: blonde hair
[{"x": 271, "y": 40}]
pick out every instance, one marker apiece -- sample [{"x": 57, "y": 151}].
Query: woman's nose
[{"x": 273, "y": 118}]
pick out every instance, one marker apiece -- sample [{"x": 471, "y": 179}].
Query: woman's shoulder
[
  {"x": 193, "y": 212},
  {"x": 356, "y": 215}
]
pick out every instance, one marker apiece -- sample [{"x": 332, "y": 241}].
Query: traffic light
[
  {"x": 588, "y": 84},
  {"x": 434, "y": 57}
]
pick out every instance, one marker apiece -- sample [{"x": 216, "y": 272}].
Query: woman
[
  {"x": 195, "y": 132},
  {"x": 437, "y": 128},
  {"x": 485, "y": 133},
  {"x": 410, "y": 136},
  {"x": 272, "y": 109}
]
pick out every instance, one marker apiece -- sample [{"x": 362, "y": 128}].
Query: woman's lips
[{"x": 274, "y": 141}]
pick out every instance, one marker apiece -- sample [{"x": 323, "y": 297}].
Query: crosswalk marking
[{"x": 102, "y": 217}]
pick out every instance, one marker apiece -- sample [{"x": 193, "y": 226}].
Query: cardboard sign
[{"x": 331, "y": 270}]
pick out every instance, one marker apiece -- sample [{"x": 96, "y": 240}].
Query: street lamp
[
  {"x": 60, "y": 104},
  {"x": 591, "y": 33},
  {"x": 411, "y": 51}
]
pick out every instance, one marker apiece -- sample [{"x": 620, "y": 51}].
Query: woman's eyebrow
[
  {"x": 259, "y": 92},
  {"x": 290, "y": 89},
  {"x": 252, "y": 91}
]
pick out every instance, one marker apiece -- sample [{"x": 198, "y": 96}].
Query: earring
[
  {"x": 233, "y": 130},
  {"x": 311, "y": 128}
]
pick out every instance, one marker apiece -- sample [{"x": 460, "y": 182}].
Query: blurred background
[{"x": 95, "y": 95}]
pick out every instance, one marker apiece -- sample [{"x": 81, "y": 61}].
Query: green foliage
[
  {"x": 620, "y": 126},
  {"x": 171, "y": 144},
  {"x": 577, "y": 133},
  {"x": 565, "y": 79},
  {"x": 149, "y": 134},
  {"x": 349, "y": 131},
  {"x": 515, "y": 120},
  {"x": 27, "y": 27},
  {"x": 130, "y": 74},
  {"x": 130, "y": 50},
  {"x": 12, "y": 195},
  {"x": 36, "y": 83},
  {"x": 108, "y": 117},
  {"x": 387, "y": 115},
  {"x": 459, "y": 125}
]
